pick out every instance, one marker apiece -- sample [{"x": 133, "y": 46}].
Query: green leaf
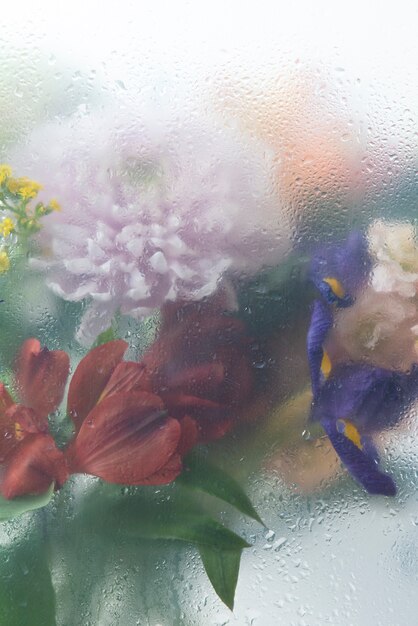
[
  {"x": 27, "y": 596},
  {"x": 222, "y": 568},
  {"x": 105, "y": 337},
  {"x": 199, "y": 474},
  {"x": 17, "y": 506},
  {"x": 186, "y": 526}
]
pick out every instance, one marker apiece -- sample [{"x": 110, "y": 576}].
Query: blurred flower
[
  {"x": 356, "y": 401},
  {"x": 134, "y": 421},
  {"x": 29, "y": 458},
  {"x": 6, "y": 227},
  {"x": 377, "y": 329},
  {"x": 23, "y": 187},
  {"x": 395, "y": 250},
  {"x": 203, "y": 365},
  {"x": 318, "y": 143},
  {"x": 362, "y": 356},
  {"x": 22, "y": 218},
  {"x": 340, "y": 270},
  {"x": 124, "y": 432},
  {"x": 373, "y": 323},
  {"x": 4, "y": 261},
  {"x": 157, "y": 205}
]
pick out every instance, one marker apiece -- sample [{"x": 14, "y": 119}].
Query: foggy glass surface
[{"x": 269, "y": 131}]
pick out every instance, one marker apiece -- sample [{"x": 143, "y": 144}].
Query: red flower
[
  {"x": 123, "y": 431},
  {"x": 133, "y": 421},
  {"x": 125, "y": 434},
  {"x": 29, "y": 458},
  {"x": 202, "y": 365}
]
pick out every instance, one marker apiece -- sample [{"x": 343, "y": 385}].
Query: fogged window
[{"x": 209, "y": 315}]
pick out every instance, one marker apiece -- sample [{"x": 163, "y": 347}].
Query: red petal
[
  {"x": 8, "y": 440},
  {"x": 189, "y": 435},
  {"x": 125, "y": 439},
  {"x": 212, "y": 430},
  {"x": 204, "y": 377},
  {"x": 90, "y": 378},
  {"x": 127, "y": 377},
  {"x": 27, "y": 419},
  {"x": 179, "y": 404},
  {"x": 36, "y": 463},
  {"x": 41, "y": 376},
  {"x": 166, "y": 474},
  {"x": 6, "y": 400}
]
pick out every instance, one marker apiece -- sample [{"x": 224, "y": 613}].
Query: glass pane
[{"x": 208, "y": 273}]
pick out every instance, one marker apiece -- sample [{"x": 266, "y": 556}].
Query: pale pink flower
[
  {"x": 157, "y": 204},
  {"x": 394, "y": 250},
  {"x": 379, "y": 328}
]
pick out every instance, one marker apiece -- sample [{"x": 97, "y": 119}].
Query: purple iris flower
[
  {"x": 338, "y": 270},
  {"x": 321, "y": 323},
  {"x": 352, "y": 400},
  {"x": 353, "y": 403}
]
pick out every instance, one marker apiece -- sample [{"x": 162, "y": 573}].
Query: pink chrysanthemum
[{"x": 156, "y": 206}]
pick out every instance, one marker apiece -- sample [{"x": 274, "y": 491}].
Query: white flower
[
  {"x": 394, "y": 250},
  {"x": 379, "y": 328},
  {"x": 157, "y": 204}
]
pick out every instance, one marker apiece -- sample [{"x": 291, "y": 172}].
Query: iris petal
[
  {"x": 372, "y": 397},
  {"x": 329, "y": 291},
  {"x": 360, "y": 464},
  {"x": 321, "y": 322},
  {"x": 346, "y": 263}
]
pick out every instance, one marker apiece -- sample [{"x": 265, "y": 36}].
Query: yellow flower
[
  {"x": 25, "y": 187},
  {"x": 6, "y": 226},
  {"x": 4, "y": 261},
  {"x": 5, "y": 172},
  {"x": 55, "y": 205}
]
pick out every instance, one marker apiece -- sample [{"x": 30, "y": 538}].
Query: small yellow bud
[
  {"x": 4, "y": 261},
  {"x": 55, "y": 205},
  {"x": 6, "y": 226},
  {"x": 5, "y": 172},
  {"x": 23, "y": 187}
]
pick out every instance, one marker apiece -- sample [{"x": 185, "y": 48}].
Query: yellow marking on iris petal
[
  {"x": 351, "y": 432},
  {"x": 336, "y": 287},
  {"x": 326, "y": 365},
  {"x": 19, "y": 432}
]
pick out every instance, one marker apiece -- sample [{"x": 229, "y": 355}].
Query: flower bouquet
[{"x": 179, "y": 287}]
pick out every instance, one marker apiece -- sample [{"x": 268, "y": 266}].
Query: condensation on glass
[{"x": 300, "y": 123}]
